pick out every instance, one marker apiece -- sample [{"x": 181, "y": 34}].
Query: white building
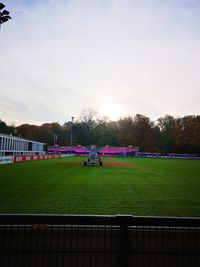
[{"x": 12, "y": 145}]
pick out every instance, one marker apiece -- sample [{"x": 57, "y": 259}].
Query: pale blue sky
[{"x": 119, "y": 57}]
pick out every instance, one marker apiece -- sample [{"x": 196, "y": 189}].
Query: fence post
[{"x": 123, "y": 245}]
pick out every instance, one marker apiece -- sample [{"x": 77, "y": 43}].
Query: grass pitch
[{"x": 160, "y": 187}]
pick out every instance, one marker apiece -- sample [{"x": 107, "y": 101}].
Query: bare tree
[{"x": 89, "y": 117}]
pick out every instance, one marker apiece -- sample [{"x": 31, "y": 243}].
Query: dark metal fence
[{"x": 98, "y": 241}]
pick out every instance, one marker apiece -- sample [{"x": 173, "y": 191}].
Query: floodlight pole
[
  {"x": 71, "y": 136},
  {"x": 55, "y": 138}
]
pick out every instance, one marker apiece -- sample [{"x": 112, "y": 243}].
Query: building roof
[{"x": 20, "y": 138}]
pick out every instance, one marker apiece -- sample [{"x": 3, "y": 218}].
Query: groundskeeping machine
[{"x": 94, "y": 159}]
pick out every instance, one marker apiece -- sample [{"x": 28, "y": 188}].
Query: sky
[{"x": 118, "y": 57}]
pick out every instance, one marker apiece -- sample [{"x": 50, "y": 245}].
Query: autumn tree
[
  {"x": 4, "y": 127},
  {"x": 105, "y": 133},
  {"x": 187, "y": 137},
  {"x": 166, "y": 135},
  {"x": 126, "y": 131},
  {"x": 167, "y": 128},
  {"x": 143, "y": 132},
  {"x": 88, "y": 121}
]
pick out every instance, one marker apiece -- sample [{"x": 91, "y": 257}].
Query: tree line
[{"x": 166, "y": 135}]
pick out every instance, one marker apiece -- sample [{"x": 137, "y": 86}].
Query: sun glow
[{"x": 112, "y": 110}]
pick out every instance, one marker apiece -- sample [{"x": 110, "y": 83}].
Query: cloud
[{"x": 60, "y": 57}]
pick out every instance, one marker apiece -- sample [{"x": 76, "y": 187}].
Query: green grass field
[{"x": 122, "y": 186}]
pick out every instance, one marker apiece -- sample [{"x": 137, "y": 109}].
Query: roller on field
[{"x": 94, "y": 159}]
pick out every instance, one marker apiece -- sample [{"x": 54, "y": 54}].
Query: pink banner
[{"x": 35, "y": 157}]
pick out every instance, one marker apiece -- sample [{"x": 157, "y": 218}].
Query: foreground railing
[{"x": 98, "y": 241}]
